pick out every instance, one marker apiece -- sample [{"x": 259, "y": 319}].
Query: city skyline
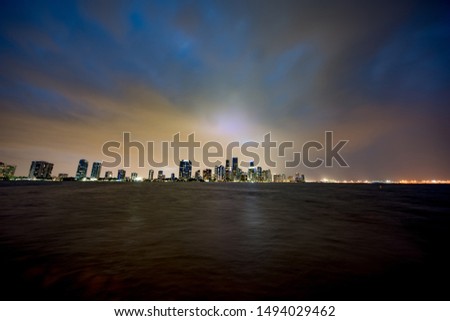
[
  {"x": 74, "y": 76},
  {"x": 42, "y": 170}
]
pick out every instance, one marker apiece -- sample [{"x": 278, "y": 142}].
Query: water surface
[{"x": 230, "y": 241}]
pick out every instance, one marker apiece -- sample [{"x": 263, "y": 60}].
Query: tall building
[
  {"x": 7, "y": 171},
  {"x": 185, "y": 169},
  {"x": 134, "y": 176},
  {"x": 259, "y": 174},
  {"x": 121, "y": 174},
  {"x": 252, "y": 172},
  {"x": 151, "y": 172},
  {"x": 197, "y": 175},
  {"x": 266, "y": 176},
  {"x": 235, "y": 164},
  {"x": 82, "y": 169},
  {"x": 235, "y": 169},
  {"x": 40, "y": 170},
  {"x": 219, "y": 173},
  {"x": 109, "y": 175},
  {"x": 227, "y": 170},
  {"x": 161, "y": 175},
  {"x": 96, "y": 169}
]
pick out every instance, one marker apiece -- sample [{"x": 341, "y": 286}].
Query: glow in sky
[{"x": 74, "y": 74}]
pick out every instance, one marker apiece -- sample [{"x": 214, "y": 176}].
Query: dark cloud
[{"x": 375, "y": 72}]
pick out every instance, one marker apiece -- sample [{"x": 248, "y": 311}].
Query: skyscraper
[
  {"x": 234, "y": 169},
  {"x": 151, "y": 172},
  {"x": 161, "y": 175},
  {"x": 267, "y": 176},
  {"x": 252, "y": 172},
  {"x": 259, "y": 174},
  {"x": 134, "y": 176},
  {"x": 185, "y": 169},
  {"x": 121, "y": 174},
  {"x": 108, "y": 174},
  {"x": 219, "y": 172},
  {"x": 235, "y": 164},
  {"x": 96, "y": 169},
  {"x": 82, "y": 169},
  {"x": 227, "y": 170},
  {"x": 40, "y": 170}
]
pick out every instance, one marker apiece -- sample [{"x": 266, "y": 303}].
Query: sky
[{"x": 76, "y": 74}]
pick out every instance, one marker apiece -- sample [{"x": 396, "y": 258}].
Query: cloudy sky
[{"x": 74, "y": 75}]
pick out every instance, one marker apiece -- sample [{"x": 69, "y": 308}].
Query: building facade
[
  {"x": 185, "y": 169},
  {"x": 40, "y": 170},
  {"x": 96, "y": 169},
  {"x": 121, "y": 174},
  {"x": 82, "y": 169}
]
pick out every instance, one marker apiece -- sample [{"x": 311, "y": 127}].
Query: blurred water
[{"x": 200, "y": 241}]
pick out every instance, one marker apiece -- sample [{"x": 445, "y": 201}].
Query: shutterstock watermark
[{"x": 312, "y": 154}]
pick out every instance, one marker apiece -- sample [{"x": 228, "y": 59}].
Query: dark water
[{"x": 200, "y": 241}]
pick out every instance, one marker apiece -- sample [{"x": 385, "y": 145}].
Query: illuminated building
[
  {"x": 237, "y": 175},
  {"x": 134, "y": 176},
  {"x": 96, "y": 169},
  {"x": 235, "y": 163},
  {"x": 108, "y": 174},
  {"x": 121, "y": 174},
  {"x": 82, "y": 169},
  {"x": 235, "y": 169},
  {"x": 40, "y": 170},
  {"x": 277, "y": 178},
  {"x": 150, "y": 174},
  {"x": 219, "y": 173},
  {"x": 185, "y": 169},
  {"x": 259, "y": 177},
  {"x": 161, "y": 176},
  {"x": 251, "y": 172},
  {"x": 266, "y": 176},
  {"x": 299, "y": 178},
  {"x": 207, "y": 173},
  {"x": 197, "y": 175}
]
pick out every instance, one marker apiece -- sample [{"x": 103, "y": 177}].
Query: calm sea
[{"x": 206, "y": 241}]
